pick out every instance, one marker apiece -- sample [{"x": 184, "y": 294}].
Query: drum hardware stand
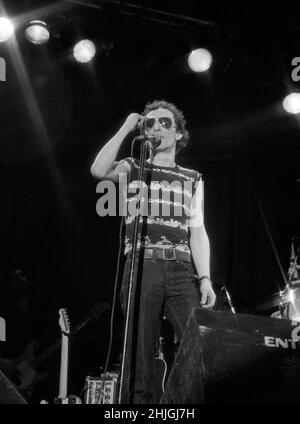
[
  {"x": 229, "y": 300},
  {"x": 281, "y": 306}
]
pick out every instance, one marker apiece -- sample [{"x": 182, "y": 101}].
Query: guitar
[
  {"x": 63, "y": 397},
  {"x": 64, "y": 357},
  {"x": 8, "y": 392},
  {"x": 28, "y": 363}
]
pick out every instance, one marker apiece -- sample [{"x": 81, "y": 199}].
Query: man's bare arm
[
  {"x": 105, "y": 165},
  {"x": 200, "y": 248}
]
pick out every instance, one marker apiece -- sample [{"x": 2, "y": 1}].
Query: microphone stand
[{"x": 124, "y": 383}]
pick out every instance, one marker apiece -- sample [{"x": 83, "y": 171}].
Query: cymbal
[{"x": 274, "y": 300}]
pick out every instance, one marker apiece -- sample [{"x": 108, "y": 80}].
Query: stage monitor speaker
[
  {"x": 8, "y": 393},
  {"x": 235, "y": 358}
]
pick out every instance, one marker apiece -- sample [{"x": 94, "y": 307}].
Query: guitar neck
[
  {"x": 63, "y": 380},
  {"x": 56, "y": 345}
]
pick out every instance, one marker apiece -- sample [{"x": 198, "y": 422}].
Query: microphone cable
[{"x": 114, "y": 297}]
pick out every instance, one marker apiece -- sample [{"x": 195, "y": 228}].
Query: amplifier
[
  {"x": 69, "y": 400},
  {"x": 101, "y": 390}
]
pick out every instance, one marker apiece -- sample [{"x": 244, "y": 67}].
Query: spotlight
[
  {"x": 6, "y": 29},
  {"x": 199, "y": 60},
  {"x": 291, "y": 103},
  {"x": 37, "y": 32},
  {"x": 84, "y": 51}
]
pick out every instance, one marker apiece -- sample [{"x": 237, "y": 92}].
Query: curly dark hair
[{"x": 179, "y": 118}]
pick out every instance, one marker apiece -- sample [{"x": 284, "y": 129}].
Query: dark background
[{"x": 56, "y": 114}]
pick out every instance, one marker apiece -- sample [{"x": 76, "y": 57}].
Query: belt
[{"x": 167, "y": 254}]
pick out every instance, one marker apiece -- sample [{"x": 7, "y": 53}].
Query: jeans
[{"x": 165, "y": 286}]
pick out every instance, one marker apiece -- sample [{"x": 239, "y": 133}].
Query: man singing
[{"x": 174, "y": 242}]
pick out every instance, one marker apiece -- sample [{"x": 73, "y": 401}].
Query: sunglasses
[{"x": 164, "y": 122}]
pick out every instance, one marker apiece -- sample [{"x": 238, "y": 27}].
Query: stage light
[
  {"x": 6, "y": 29},
  {"x": 291, "y": 103},
  {"x": 37, "y": 32},
  {"x": 200, "y": 60},
  {"x": 84, "y": 51}
]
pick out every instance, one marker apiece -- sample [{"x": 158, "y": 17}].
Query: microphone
[
  {"x": 154, "y": 140},
  {"x": 295, "y": 247},
  {"x": 292, "y": 251},
  {"x": 141, "y": 137},
  {"x": 292, "y": 271}
]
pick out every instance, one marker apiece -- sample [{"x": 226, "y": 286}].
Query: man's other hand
[{"x": 208, "y": 296}]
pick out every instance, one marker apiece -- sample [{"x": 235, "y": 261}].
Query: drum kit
[{"x": 286, "y": 301}]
